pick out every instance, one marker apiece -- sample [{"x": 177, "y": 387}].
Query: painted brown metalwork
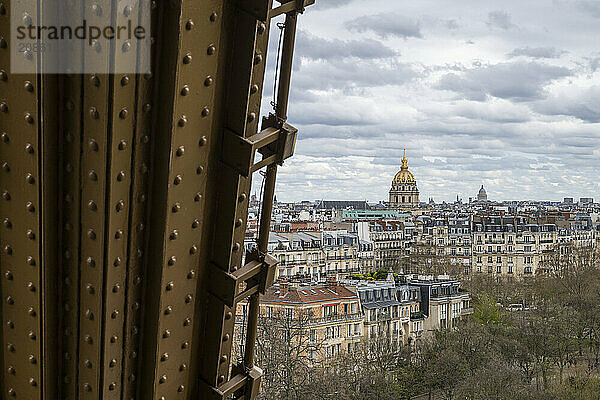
[{"x": 124, "y": 201}]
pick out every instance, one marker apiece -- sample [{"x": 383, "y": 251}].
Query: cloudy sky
[{"x": 505, "y": 94}]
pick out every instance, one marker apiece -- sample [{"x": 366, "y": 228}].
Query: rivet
[
  {"x": 223, "y": 358},
  {"x": 120, "y": 205},
  {"x": 5, "y": 137},
  {"x": 10, "y": 300},
  {"x": 166, "y": 333},
  {"x": 114, "y": 314},
  {"x": 29, "y": 148},
  {"x": 28, "y": 86},
  {"x": 208, "y": 81},
  {"x": 122, "y": 145},
  {"x": 91, "y": 262},
  {"x": 116, "y": 288},
  {"x": 174, "y": 235},
  {"x": 181, "y": 388},
  {"x": 8, "y": 275},
  {"x": 11, "y": 370},
  {"x": 199, "y": 170},
  {"x": 126, "y": 46},
  {"x": 203, "y": 140},
  {"x": 87, "y": 387},
  {"x": 127, "y": 11},
  {"x": 97, "y": 9},
  {"x": 198, "y": 197},
  {"x": 147, "y": 107},
  {"x": 195, "y": 224},
  {"x": 189, "y": 25},
  {"x": 185, "y": 345},
  {"x": 176, "y": 207},
  {"x": 121, "y": 176},
  {"x": 188, "y": 299},
  {"x": 30, "y": 234},
  {"x": 180, "y": 151},
  {"x": 112, "y": 386},
  {"x": 117, "y": 261},
  {"x": 125, "y": 81},
  {"x": 31, "y": 312},
  {"x": 213, "y": 17},
  {"x": 3, "y": 107},
  {"x": 242, "y": 198},
  {"x": 187, "y": 322},
  {"x": 12, "y": 392},
  {"x": 261, "y": 28},
  {"x": 162, "y": 379},
  {"x": 93, "y": 145},
  {"x": 205, "y": 112},
  {"x": 178, "y": 180},
  {"x": 32, "y": 359},
  {"x": 182, "y": 121},
  {"x": 94, "y": 113},
  {"x": 7, "y": 224},
  {"x": 193, "y": 249},
  {"x": 90, "y": 288},
  {"x": 91, "y": 234},
  {"x": 95, "y": 80},
  {"x": 191, "y": 274},
  {"x": 88, "y": 339},
  {"x": 89, "y": 315},
  {"x": 185, "y": 90},
  {"x": 30, "y": 179},
  {"x": 31, "y": 287},
  {"x": 170, "y": 286},
  {"x": 236, "y": 247},
  {"x": 124, "y": 113},
  {"x": 92, "y": 205},
  {"x": 5, "y": 166},
  {"x": 3, "y": 43},
  {"x": 30, "y": 260},
  {"x": 112, "y": 363},
  {"x": 168, "y": 310},
  {"x": 187, "y": 59},
  {"x": 253, "y": 89},
  {"x": 3, "y": 75},
  {"x": 258, "y": 58},
  {"x": 32, "y": 382},
  {"x": 228, "y": 315},
  {"x": 211, "y": 50},
  {"x": 226, "y": 337},
  {"x": 118, "y": 234},
  {"x": 114, "y": 338},
  {"x": 221, "y": 379},
  {"x": 182, "y": 367},
  {"x": 251, "y": 117}
]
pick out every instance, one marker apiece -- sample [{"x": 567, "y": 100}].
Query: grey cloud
[
  {"x": 590, "y": 7},
  {"x": 386, "y": 25},
  {"x": 316, "y": 48},
  {"x": 341, "y": 74},
  {"x": 328, "y": 4},
  {"x": 499, "y": 19},
  {"x": 518, "y": 81},
  {"x": 583, "y": 105},
  {"x": 537, "y": 52}
]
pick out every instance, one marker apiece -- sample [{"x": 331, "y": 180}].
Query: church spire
[{"x": 404, "y": 162}]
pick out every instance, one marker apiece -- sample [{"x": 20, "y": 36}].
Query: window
[
  {"x": 313, "y": 336},
  {"x": 498, "y": 260},
  {"x": 499, "y": 269},
  {"x": 329, "y": 310}
]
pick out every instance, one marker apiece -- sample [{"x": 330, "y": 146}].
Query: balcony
[{"x": 336, "y": 318}]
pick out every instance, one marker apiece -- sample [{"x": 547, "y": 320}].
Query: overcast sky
[{"x": 505, "y": 94}]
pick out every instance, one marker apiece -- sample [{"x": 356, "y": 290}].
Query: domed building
[
  {"x": 404, "y": 193},
  {"x": 482, "y": 195}
]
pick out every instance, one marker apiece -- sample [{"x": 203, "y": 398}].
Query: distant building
[
  {"x": 568, "y": 200},
  {"x": 482, "y": 195},
  {"x": 586, "y": 200},
  {"x": 404, "y": 193}
]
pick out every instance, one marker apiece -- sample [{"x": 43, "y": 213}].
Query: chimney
[{"x": 283, "y": 288}]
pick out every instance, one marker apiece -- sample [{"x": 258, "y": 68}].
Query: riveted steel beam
[{"x": 124, "y": 201}]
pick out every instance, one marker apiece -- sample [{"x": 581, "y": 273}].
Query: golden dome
[{"x": 404, "y": 176}]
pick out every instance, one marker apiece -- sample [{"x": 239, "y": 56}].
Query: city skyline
[{"x": 478, "y": 93}]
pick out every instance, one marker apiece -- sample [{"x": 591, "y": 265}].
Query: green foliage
[{"x": 487, "y": 312}]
